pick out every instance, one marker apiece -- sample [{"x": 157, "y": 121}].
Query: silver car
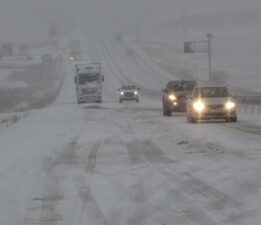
[
  {"x": 211, "y": 102},
  {"x": 129, "y": 93}
]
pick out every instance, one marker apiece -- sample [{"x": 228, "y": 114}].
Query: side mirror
[{"x": 75, "y": 80}]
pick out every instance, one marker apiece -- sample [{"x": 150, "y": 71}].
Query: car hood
[
  {"x": 214, "y": 101},
  {"x": 180, "y": 93}
]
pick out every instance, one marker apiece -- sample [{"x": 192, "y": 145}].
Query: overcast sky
[{"x": 30, "y": 18}]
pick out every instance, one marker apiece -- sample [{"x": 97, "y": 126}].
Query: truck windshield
[{"x": 87, "y": 78}]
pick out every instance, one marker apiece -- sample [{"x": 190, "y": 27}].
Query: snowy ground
[
  {"x": 5, "y": 83},
  {"x": 116, "y": 164}
]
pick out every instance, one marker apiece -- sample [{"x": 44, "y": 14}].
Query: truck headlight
[
  {"x": 122, "y": 93},
  {"x": 172, "y": 97},
  {"x": 199, "y": 106},
  {"x": 230, "y": 105},
  {"x": 135, "y": 92}
]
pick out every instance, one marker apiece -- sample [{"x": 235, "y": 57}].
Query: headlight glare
[
  {"x": 199, "y": 106},
  {"x": 135, "y": 92},
  {"x": 172, "y": 97},
  {"x": 230, "y": 105},
  {"x": 122, "y": 93}
]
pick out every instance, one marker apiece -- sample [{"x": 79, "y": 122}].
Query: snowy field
[{"x": 116, "y": 164}]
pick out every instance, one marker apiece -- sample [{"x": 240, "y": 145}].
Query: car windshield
[
  {"x": 212, "y": 92},
  {"x": 87, "y": 78},
  {"x": 181, "y": 86},
  {"x": 130, "y": 87}
]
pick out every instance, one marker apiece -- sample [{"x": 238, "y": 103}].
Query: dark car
[{"x": 174, "y": 96}]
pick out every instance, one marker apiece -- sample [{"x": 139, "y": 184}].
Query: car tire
[
  {"x": 231, "y": 119},
  {"x": 190, "y": 119},
  {"x": 193, "y": 120},
  {"x": 120, "y": 101},
  {"x": 167, "y": 112},
  {"x": 234, "y": 119},
  {"x": 137, "y": 100}
]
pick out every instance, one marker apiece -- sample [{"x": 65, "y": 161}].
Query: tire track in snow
[
  {"x": 92, "y": 159},
  {"x": 88, "y": 207},
  {"x": 246, "y": 128},
  {"x": 226, "y": 209}
]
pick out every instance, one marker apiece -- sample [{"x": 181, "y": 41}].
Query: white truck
[{"x": 88, "y": 82}]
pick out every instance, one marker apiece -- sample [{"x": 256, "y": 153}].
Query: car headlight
[
  {"x": 230, "y": 105},
  {"x": 172, "y": 97},
  {"x": 135, "y": 92},
  {"x": 122, "y": 93},
  {"x": 199, "y": 106}
]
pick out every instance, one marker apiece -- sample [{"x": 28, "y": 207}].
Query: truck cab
[{"x": 88, "y": 82}]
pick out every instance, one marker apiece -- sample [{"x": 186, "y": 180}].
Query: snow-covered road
[{"x": 125, "y": 164}]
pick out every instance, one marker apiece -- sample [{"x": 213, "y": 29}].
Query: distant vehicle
[
  {"x": 211, "y": 102},
  {"x": 75, "y": 56},
  {"x": 174, "y": 96},
  {"x": 129, "y": 93},
  {"x": 88, "y": 82}
]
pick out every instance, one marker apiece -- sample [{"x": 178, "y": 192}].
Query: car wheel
[
  {"x": 193, "y": 120},
  {"x": 231, "y": 119},
  {"x": 167, "y": 112},
  {"x": 234, "y": 119},
  {"x": 137, "y": 100},
  {"x": 120, "y": 101},
  {"x": 190, "y": 119}
]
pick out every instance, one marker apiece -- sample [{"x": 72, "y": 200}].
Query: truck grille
[
  {"x": 89, "y": 90},
  {"x": 128, "y": 94}
]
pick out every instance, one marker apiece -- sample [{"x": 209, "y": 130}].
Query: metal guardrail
[{"x": 249, "y": 104}]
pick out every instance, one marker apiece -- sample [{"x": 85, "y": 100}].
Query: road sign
[
  {"x": 201, "y": 46},
  {"x": 195, "y": 46}
]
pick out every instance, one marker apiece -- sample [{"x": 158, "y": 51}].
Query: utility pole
[
  {"x": 201, "y": 46},
  {"x": 210, "y": 36}
]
